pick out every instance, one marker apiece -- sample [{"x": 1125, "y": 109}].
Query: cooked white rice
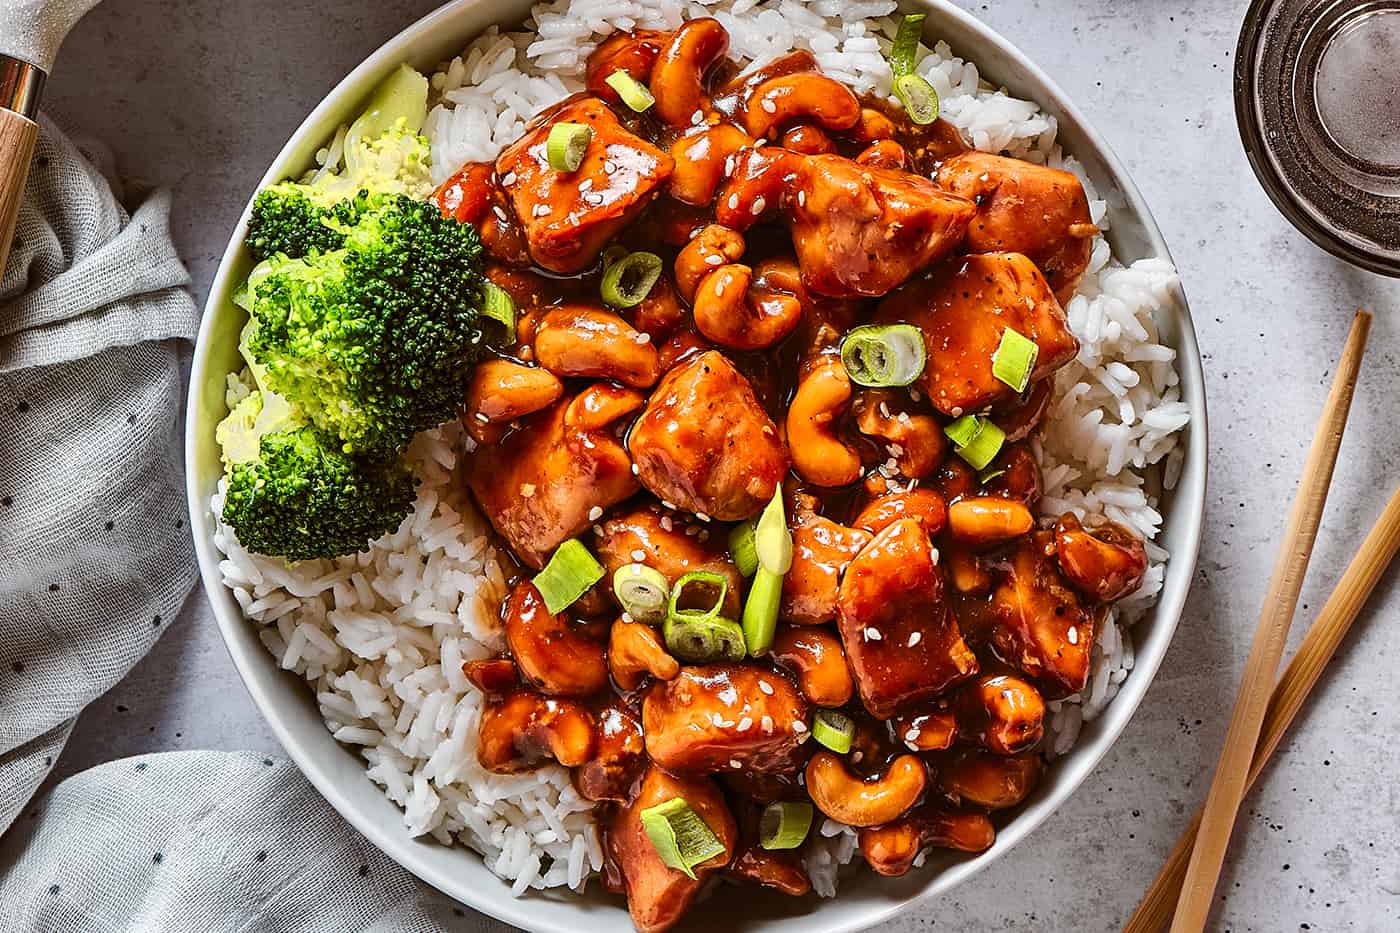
[{"x": 382, "y": 635}]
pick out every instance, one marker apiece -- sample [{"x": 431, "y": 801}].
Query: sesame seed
[
  {"x": 666, "y": 522},
  {"x": 481, "y": 416},
  {"x": 801, "y": 199},
  {"x": 643, "y": 338},
  {"x": 914, "y": 638},
  {"x": 912, "y": 747},
  {"x": 872, "y": 634},
  {"x": 1073, "y": 635},
  {"x": 759, "y": 143},
  {"x": 593, "y": 198},
  {"x": 912, "y": 735},
  {"x": 527, "y": 489},
  {"x": 635, "y": 469},
  {"x": 638, "y": 555},
  {"x": 745, "y": 723},
  {"x": 697, "y": 117},
  {"x": 717, "y": 719},
  {"x": 884, "y": 410},
  {"x": 733, "y": 202},
  {"x": 714, "y": 259},
  {"x": 758, "y": 205},
  {"x": 702, "y": 516},
  {"x": 935, "y": 555},
  {"x": 585, "y": 185},
  {"x": 595, "y": 513},
  {"x": 799, "y": 726},
  {"x": 667, "y": 503},
  {"x": 768, "y": 105},
  {"x": 500, "y": 214},
  {"x": 508, "y": 178},
  {"x": 627, "y": 617},
  {"x": 766, "y": 687},
  {"x": 609, "y": 167},
  {"x": 767, "y": 723},
  {"x": 540, "y": 210},
  {"x": 729, "y": 166}
]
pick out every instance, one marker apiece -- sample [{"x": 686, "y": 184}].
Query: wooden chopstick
[
  {"x": 1242, "y": 736},
  {"x": 1318, "y": 646}
]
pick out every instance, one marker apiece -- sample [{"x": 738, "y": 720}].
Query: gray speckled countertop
[{"x": 199, "y": 95}]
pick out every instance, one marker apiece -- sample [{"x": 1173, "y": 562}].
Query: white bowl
[{"x": 339, "y": 773}]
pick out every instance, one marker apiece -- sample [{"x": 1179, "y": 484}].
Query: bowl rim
[{"x": 1186, "y": 512}]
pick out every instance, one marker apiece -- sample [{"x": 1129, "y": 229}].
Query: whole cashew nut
[
  {"x": 983, "y": 521},
  {"x": 892, "y": 849},
  {"x": 524, "y": 730},
  {"x": 815, "y": 656},
  {"x": 553, "y": 653},
  {"x": 924, "y": 505},
  {"x": 809, "y": 96},
  {"x": 633, "y": 52},
  {"x": 760, "y": 180},
  {"x": 1105, "y": 563},
  {"x": 702, "y": 157},
  {"x": 678, "y": 77},
  {"x": 850, "y": 800},
  {"x": 818, "y": 455},
  {"x": 712, "y": 247},
  {"x": 501, "y": 391},
  {"x": 734, "y": 312},
  {"x": 578, "y": 340},
  {"x": 1003, "y": 713},
  {"x": 634, "y": 651}
]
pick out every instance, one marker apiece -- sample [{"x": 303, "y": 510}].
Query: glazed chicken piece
[
  {"x": 1003, "y": 713},
  {"x": 1025, "y": 208},
  {"x": 619, "y": 755},
  {"x": 963, "y": 311},
  {"x": 1037, "y": 623},
  {"x": 653, "y": 536},
  {"x": 983, "y": 779},
  {"x": 538, "y": 485},
  {"x": 724, "y": 717},
  {"x": 657, "y": 896},
  {"x": 584, "y": 340},
  {"x": 569, "y": 216},
  {"x": 821, "y": 551},
  {"x": 861, "y": 231},
  {"x": 471, "y": 196},
  {"x": 523, "y": 731},
  {"x": 902, "y": 643},
  {"x": 705, "y": 445},
  {"x": 555, "y": 653}
]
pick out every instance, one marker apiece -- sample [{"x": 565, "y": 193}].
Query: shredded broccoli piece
[
  {"x": 375, "y": 340},
  {"x": 294, "y": 493}
]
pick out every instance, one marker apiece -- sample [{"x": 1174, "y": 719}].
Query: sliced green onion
[
  {"x": 496, "y": 303},
  {"x": 834, "y": 730},
  {"x": 986, "y": 476},
  {"x": 760, "y": 620},
  {"x": 882, "y": 355},
  {"x": 919, "y": 98},
  {"x": 784, "y": 824},
  {"x": 1014, "y": 359},
  {"x": 633, "y": 93},
  {"x": 642, "y": 591},
  {"x": 693, "y": 586},
  {"x": 701, "y": 641},
  {"x": 963, "y": 430},
  {"x": 983, "y": 448},
  {"x": 568, "y": 575},
  {"x": 612, "y": 254},
  {"x": 680, "y": 836},
  {"x": 906, "y": 44},
  {"x": 566, "y": 145},
  {"x": 628, "y": 281},
  {"x": 742, "y": 547},
  {"x": 772, "y": 540}
]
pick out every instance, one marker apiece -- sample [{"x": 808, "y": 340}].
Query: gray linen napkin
[{"x": 94, "y": 559}]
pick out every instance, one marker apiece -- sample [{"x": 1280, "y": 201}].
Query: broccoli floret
[
  {"x": 374, "y": 341},
  {"x": 287, "y": 220},
  {"x": 294, "y": 493}
]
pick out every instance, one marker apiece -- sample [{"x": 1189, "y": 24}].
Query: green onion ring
[
  {"x": 963, "y": 430},
  {"x": 627, "y": 281},
  {"x": 681, "y": 837},
  {"x": 700, "y": 641},
  {"x": 1014, "y": 359},
  {"x": 566, "y": 145},
  {"x": 697, "y": 580},
  {"x": 633, "y": 93},
  {"x": 983, "y": 448},
  {"x": 642, "y": 592},
  {"x": 784, "y": 824},
  {"x": 884, "y": 355},
  {"x": 906, "y": 44},
  {"x": 834, "y": 730},
  {"x": 570, "y": 573},
  {"x": 919, "y": 98}
]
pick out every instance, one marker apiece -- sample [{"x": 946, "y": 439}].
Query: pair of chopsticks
[{"x": 1188, "y": 879}]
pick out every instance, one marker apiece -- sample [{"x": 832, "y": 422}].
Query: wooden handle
[
  {"x": 17, "y": 137},
  {"x": 1242, "y": 736},
  {"x": 1333, "y": 622}
]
